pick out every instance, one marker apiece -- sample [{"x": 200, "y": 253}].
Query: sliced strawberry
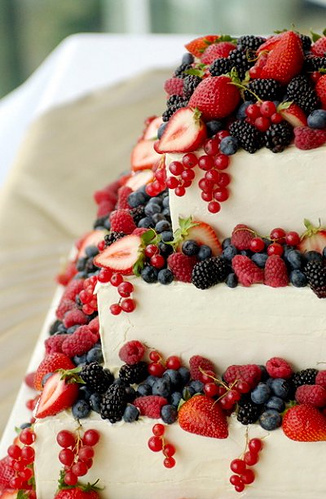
[
  {"x": 91, "y": 239},
  {"x": 185, "y": 132},
  {"x": 143, "y": 155},
  {"x": 59, "y": 393},
  {"x": 9, "y": 494},
  {"x": 198, "y": 46},
  {"x": 203, "y": 233},
  {"x": 121, "y": 255},
  {"x": 293, "y": 115},
  {"x": 151, "y": 131},
  {"x": 313, "y": 239},
  {"x": 137, "y": 180}
]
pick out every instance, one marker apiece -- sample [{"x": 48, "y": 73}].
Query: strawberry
[
  {"x": 198, "y": 364},
  {"x": 90, "y": 239},
  {"x": 121, "y": 255},
  {"x": 122, "y": 221},
  {"x": 174, "y": 86},
  {"x": 182, "y": 266},
  {"x": 6, "y": 472},
  {"x": 321, "y": 90},
  {"x": 140, "y": 178},
  {"x": 293, "y": 114},
  {"x": 319, "y": 47},
  {"x": 216, "y": 51},
  {"x": 216, "y": 97},
  {"x": 276, "y": 274},
  {"x": 308, "y": 138},
  {"x": 314, "y": 395},
  {"x": 81, "y": 492},
  {"x": 152, "y": 125},
  {"x": 59, "y": 393},
  {"x": 285, "y": 57},
  {"x": 251, "y": 373},
  {"x": 184, "y": 132},
  {"x": 304, "y": 423},
  {"x": 313, "y": 239},
  {"x": 198, "y": 46},
  {"x": 242, "y": 236},
  {"x": 50, "y": 364},
  {"x": 150, "y": 405},
  {"x": 132, "y": 352},
  {"x": 143, "y": 155},
  {"x": 202, "y": 416},
  {"x": 247, "y": 271},
  {"x": 79, "y": 342}
]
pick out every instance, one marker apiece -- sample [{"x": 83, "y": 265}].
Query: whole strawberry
[
  {"x": 216, "y": 97},
  {"x": 319, "y": 47},
  {"x": 202, "y": 416},
  {"x": 247, "y": 271},
  {"x": 79, "y": 492},
  {"x": 182, "y": 266},
  {"x": 304, "y": 423},
  {"x": 216, "y": 51},
  {"x": 276, "y": 274}
]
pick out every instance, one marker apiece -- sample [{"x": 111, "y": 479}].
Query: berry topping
[
  {"x": 132, "y": 352},
  {"x": 50, "y": 364},
  {"x": 276, "y": 274},
  {"x": 247, "y": 271},
  {"x": 121, "y": 221},
  {"x": 182, "y": 266},
  {"x": 304, "y": 423},
  {"x": 200, "y": 365},
  {"x": 250, "y": 373},
  {"x": 278, "y": 368},
  {"x": 150, "y": 405},
  {"x": 242, "y": 236},
  {"x": 309, "y": 138},
  {"x": 209, "y": 272},
  {"x": 314, "y": 395},
  {"x": 202, "y": 416}
]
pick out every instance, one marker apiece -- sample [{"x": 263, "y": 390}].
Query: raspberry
[
  {"x": 121, "y": 220},
  {"x": 247, "y": 271},
  {"x": 108, "y": 193},
  {"x": 181, "y": 266},
  {"x": 174, "y": 86},
  {"x": 64, "y": 307},
  {"x": 79, "y": 342},
  {"x": 94, "y": 325},
  {"x": 73, "y": 317},
  {"x": 311, "y": 395},
  {"x": 251, "y": 373},
  {"x": 104, "y": 208},
  {"x": 308, "y": 138},
  {"x": 198, "y": 364},
  {"x": 276, "y": 274},
  {"x": 123, "y": 194},
  {"x": 54, "y": 343},
  {"x": 150, "y": 405},
  {"x": 242, "y": 236},
  {"x": 321, "y": 379},
  {"x": 279, "y": 368},
  {"x": 132, "y": 352},
  {"x": 73, "y": 289}
]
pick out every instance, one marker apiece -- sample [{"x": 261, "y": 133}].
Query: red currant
[
  {"x": 248, "y": 476},
  {"x": 66, "y": 438},
  {"x": 214, "y": 207},
  {"x": 28, "y": 453},
  {"x": 276, "y": 118},
  {"x": 189, "y": 160},
  {"x": 14, "y": 451},
  {"x": 104, "y": 276},
  {"x": 26, "y": 474},
  {"x": 176, "y": 168},
  {"x": 115, "y": 309},
  {"x": 101, "y": 245},
  {"x": 180, "y": 191},
  {"x": 79, "y": 468},
  {"x": 172, "y": 182},
  {"x": 151, "y": 250},
  {"x": 207, "y": 196},
  {"x": 125, "y": 289},
  {"x": 253, "y": 111},
  {"x": 267, "y": 108},
  {"x": 255, "y": 445},
  {"x": 169, "y": 450},
  {"x": 221, "y": 161},
  {"x": 155, "y": 356},
  {"x": 156, "y": 369},
  {"x": 240, "y": 487},
  {"x": 116, "y": 279},
  {"x": 205, "y": 163},
  {"x": 243, "y": 386},
  {"x": 212, "y": 175},
  {"x": 211, "y": 147},
  {"x": 155, "y": 444},
  {"x": 66, "y": 457},
  {"x": 211, "y": 389},
  {"x": 205, "y": 185},
  {"x": 158, "y": 430},
  {"x": 292, "y": 238},
  {"x": 70, "y": 478},
  {"x": 257, "y": 244},
  {"x": 254, "y": 72},
  {"x": 224, "y": 179},
  {"x": 207, "y": 376},
  {"x": 85, "y": 453},
  {"x": 262, "y": 123},
  {"x": 157, "y": 261},
  {"x": 169, "y": 462},
  {"x": 278, "y": 235},
  {"x": 91, "y": 437},
  {"x": 16, "y": 482},
  {"x": 173, "y": 362},
  {"x": 188, "y": 175},
  {"x": 220, "y": 135},
  {"x": 238, "y": 466},
  {"x": 250, "y": 458},
  {"x": 221, "y": 194},
  {"x": 27, "y": 436},
  {"x": 236, "y": 480},
  {"x": 128, "y": 305},
  {"x": 275, "y": 249}
]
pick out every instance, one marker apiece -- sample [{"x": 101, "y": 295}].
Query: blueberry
[
  {"x": 187, "y": 58},
  {"x": 169, "y": 414},
  {"x": 136, "y": 199},
  {"x": 324, "y": 252},
  {"x": 95, "y": 401},
  {"x": 264, "y": 373},
  {"x": 72, "y": 329},
  {"x": 295, "y": 259},
  {"x": 81, "y": 409},
  {"x": 91, "y": 251},
  {"x": 142, "y": 189},
  {"x": 25, "y": 425},
  {"x": 260, "y": 394},
  {"x": 275, "y": 403},
  {"x": 226, "y": 242},
  {"x": 131, "y": 414},
  {"x": 80, "y": 360},
  {"x": 267, "y": 241},
  {"x": 162, "y": 387},
  {"x": 166, "y": 236},
  {"x": 174, "y": 376},
  {"x": 166, "y": 212},
  {"x": 165, "y": 276},
  {"x": 313, "y": 256},
  {"x": 197, "y": 385},
  {"x": 157, "y": 217},
  {"x": 150, "y": 380},
  {"x": 144, "y": 389},
  {"x": 317, "y": 119},
  {"x": 270, "y": 420},
  {"x": 166, "y": 202},
  {"x": 175, "y": 399},
  {"x": 162, "y": 226},
  {"x": 152, "y": 208},
  {"x": 280, "y": 387},
  {"x": 149, "y": 274},
  {"x": 185, "y": 374},
  {"x": 229, "y": 145},
  {"x": 61, "y": 328},
  {"x": 241, "y": 112},
  {"x": 161, "y": 129},
  {"x": 231, "y": 280},
  {"x": 146, "y": 222},
  {"x": 80, "y": 264},
  {"x": 260, "y": 259},
  {"x": 213, "y": 127},
  {"x": 229, "y": 252},
  {"x": 165, "y": 249},
  {"x": 84, "y": 392},
  {"x": 246, "y": 253},
  {"x": 130, "y": 393},
  {"x": 156, "y": 200},
  {"x": 107, "y": 224},
  {"x": 94, "y": 355},
  {"x": 204, "y": 252},
  {"x": 190, "y": 247},
  {"x": 298, "y": 279}
]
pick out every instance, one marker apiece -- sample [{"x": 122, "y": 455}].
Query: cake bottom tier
[{"x": 127, "y": 469}]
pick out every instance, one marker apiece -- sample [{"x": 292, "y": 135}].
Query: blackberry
[
  {"x": 209, "y": 272},
  {"x": 220, "y": 66},
  {"x": 180, "y": 71},
  {"x": 96, "y": 378},
  {"x": 137, "y": 213},
  {"x": 265, "y": 89},
  {"x": 174, "y": 103},
  {"x": 135, "y": 373},
  {"x": 189, "y": 85},
  {"x": 114, "y": 403},
  {"x": 113, "y": 237},
  {"x": 314, "y": 63},
  {"x": 240, "y": 60},
  {"x": 306, "y": 42},
  {"x": 300, "y": 91},
  {"x": 249, "y": 138},
  {"x": 278, "y": 136},
  {"x": 248, "y": 412},
  {"x": 250, "y": 42},
  {"x": 304, "y": 377},
  {"x": 315, "y": 272}
]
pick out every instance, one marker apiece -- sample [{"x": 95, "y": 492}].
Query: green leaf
[
  {"x": 324, "y": 32},
  {"x": 314, "y": 36},
  {"x": 185, "y": 224},
  {"x": 22, "y": 495},
  {"x": 195, "y": 72},
  {"x": 148, "y": 236},
  {"x": 284, "y": 105}
]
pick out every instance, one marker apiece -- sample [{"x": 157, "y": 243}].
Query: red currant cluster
[
  {"x": 87, "y": 296},
  {"x": 159, "y": 181},
  {"x": 77, "y": 453},
  {"x": 226, "y": 396},
  {"x": 158, "y": 443},
  {"x": 155, "y": 258},
  {"x": 182, "y": 174},
  {"x": 263, "y": 114},
  {"x": 157, "y": 366},
  {"x": 245, "y": 476},
  {"x": 21, "y": 459},
  {"x": 279, "y": 237},
  {"x": 125, "y": 289}
]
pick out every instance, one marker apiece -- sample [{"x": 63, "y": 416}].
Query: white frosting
[
  {"x": 128, "y": 469},
  {"x": 267, "y": 190}
]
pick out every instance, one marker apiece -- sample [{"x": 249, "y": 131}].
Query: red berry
[
  {"x": 211, "y": 389},
  {"x": 169, "y": 462},
  {"x": 243, "y": 386},
  {"x": 221, "y": 194},
  {"x": 211, "y": 147},
  {"x": 66, "y": 438},
  {"x": 205, "y": 185},
  {"x": 176, "y": 168},
  {"x": 212, "y": 176},
  {"x": 276, "y": 118},
  {"x": 91, "y": 437},
  {"x": 28, "y": 453},
  {"x": 116, "y": 279},
  {"x": 221, "y": 161},
  {"x": 172, "y": 182},
  {"x": 224, "y": 179},
  {"x": 315, "y": 76},
  {"x": 70, "y": 478},
  {"x": 255, "y": 445},
  {"x": 155, "y": 444},
  {"x": 278, "y": 235},
  {"x": 248, "y": 476},
  {"x": 14, "y": 451},
  {"x": 180, "y": 191},
  {"x": 207, "y": 376},
  {"x": 26, "y": 474},
  {"x": 205, "y": 163},
  {"x": 267, "y": 108},
  {"x": 16, "y": 482},
  {"x": 250, "y": 458},
  {"x": 236, "y": 480},
  {"x": 156, "y": 369},
  {"x": 207, "y": 196},
  {"x": 292, "y": 238},
  {"x": 257, "y": 244},
  {"x": 262, "y": 123},
  {"x": 154, "y": 356},
  {"x": 240, "y": 487},
  {"x": 103, "y": 276},
  {"x": 275, "y": 249},
  {"x": 85, "y": 453},
  {"x": 254, "y": 72},
  {"x": 66, "y": 457},
  {"x": 253, "y": 111},
  {"x": 188, "y": 175},
  {"x": 128, "y": 305},
  {"x": 214, "y": 207},
  {"x": 220, "y": 135},
  {"x": 233, "y": 396},
  {"x": 115, "y": 309},
  {"x": 189, "y": 160},
  {"x": 27, "y": 436},
  {"x": 101, "y": 245},
  {"x": 125, "y": 289},
  {"x": 173, "y": 362},
  {"x": 169, "y": 450},
  {"x": 157, "y": 261},
  {"x": 158, "y": 430},
  {"x": 151, "y": 250},
  {"x": 238, "y": 466},
  {"x": 80, "y": 468}
]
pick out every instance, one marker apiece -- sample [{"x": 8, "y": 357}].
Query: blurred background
[{"x": 31, "y": 29}]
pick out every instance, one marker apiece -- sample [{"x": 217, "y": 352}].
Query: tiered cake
[{"x": 194, "y": 309}]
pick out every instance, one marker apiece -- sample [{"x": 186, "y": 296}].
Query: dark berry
[
  {"x": 210, "y": 272},
  {"x": 149, "y": 274},
  {"x": 133, "y": 373},
  {"x": 131, "y": 414},
  {"x": 278, "y": 136},
  {"x": 165, "y": 276},
  {"x": 114, "y": 403},
  {"x": 249, "y": 138},
  {"x": 169, "y": 414},
  {"x": 190, "y": 247},
  {"x": 204, "y": 252},
  {"x": 301, "y": 91},
  {"x": 97, "y": 378}
]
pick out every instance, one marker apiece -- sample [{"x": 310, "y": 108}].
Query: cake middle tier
[{"x": 229, "y": 326}]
